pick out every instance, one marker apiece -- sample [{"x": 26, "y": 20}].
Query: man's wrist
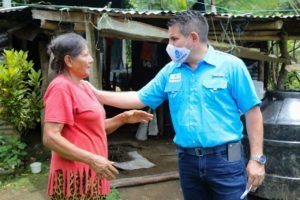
[{"x": 260, "y": 158}]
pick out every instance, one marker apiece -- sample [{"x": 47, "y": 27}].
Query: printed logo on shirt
[{"x": 175, "y": 78}]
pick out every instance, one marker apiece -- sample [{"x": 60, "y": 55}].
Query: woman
[{"x": 75, "y": 125}]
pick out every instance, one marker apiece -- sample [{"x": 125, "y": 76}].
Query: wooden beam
[
  {"x": 246, "y": 38},
  {"x": 292, "y": 67},
  {"x": 261, "y": 25},
  {"x": 142, "y": 180},
  {"x": 247, "y": 33},
  {"x": 244, "y": 52},
  {"x": 252, "y": 25},
  {"x": 254, "y": 38},
  {"x": 62, "y": 27},
  {"x": 60, "y": 16}
]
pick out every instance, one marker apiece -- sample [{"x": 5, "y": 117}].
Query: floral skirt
[{"x": 75, "y": 195}]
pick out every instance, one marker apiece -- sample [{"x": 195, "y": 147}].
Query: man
[{"x": 208, "y": 90}]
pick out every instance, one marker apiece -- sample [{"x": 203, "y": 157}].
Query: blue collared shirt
[{"x": 205, "y": 103}]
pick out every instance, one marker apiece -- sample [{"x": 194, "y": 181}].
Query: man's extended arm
[{"x": 124, "y": 100}]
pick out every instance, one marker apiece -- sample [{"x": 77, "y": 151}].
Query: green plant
[
  {"x": 113, "y": 195},
  {"x": 20, "y": 97},
  {"x": 12, "y": 151}
]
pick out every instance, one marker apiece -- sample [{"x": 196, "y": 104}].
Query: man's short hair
[{"x": 191, "y": 21}]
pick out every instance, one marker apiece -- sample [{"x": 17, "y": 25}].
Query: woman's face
[{"x": 80, "y": 66}]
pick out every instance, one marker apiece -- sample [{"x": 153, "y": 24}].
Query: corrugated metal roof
[
  {"x": 12, "y": 9},
  {"x": 148, "y": 13},
  {"x": 169, "y": 12}
]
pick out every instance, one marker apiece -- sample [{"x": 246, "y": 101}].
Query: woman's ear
[{"x": 68, "y": 60}]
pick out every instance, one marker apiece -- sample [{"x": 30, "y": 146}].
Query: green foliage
[
  {"x": 12, "y": 151},
  {"x": 20, "y": 97},
  {"x": 113, "y": 195},
  {"x": 293, "y": 81},
  {"x": 175, "y": 5},
  {"x": 255, "y": 7}
]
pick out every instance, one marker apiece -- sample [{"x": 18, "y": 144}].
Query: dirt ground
[{"x": 159, "y": 151}]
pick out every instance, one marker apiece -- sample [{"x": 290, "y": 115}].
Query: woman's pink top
[{"x": 83, "y": 118}]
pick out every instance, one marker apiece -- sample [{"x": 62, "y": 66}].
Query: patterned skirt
[{"x": 75, "y": 195}]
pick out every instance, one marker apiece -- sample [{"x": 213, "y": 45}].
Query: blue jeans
[{"x": 211, "y": 176}]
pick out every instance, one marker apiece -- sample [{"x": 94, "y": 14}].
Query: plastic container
[
  {"x": 281, "y": 116},
  {"x": 36, "y": 167}
]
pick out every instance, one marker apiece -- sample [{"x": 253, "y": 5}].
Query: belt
[{"x": 201, "y": 151}]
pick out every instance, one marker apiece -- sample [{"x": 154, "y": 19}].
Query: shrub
[
  {"x": 12, "y": 151},
  {"x": 20, "y": 97}
]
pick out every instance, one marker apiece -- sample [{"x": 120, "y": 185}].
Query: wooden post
[
  {"x": 95, "y": 77},
  {"x": 285, "y": 54},
  {"x": 261, "y": 73},
  {"x": 44, "y": 66}
]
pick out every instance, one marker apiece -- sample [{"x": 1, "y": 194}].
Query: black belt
[{"x": 201, "y": 151}]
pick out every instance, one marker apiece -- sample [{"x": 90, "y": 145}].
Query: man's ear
[
  {"x": 68, "y": 60},
  {"x": 195, "y": 37}
]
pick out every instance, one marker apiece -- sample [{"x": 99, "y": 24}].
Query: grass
[
  {"x": 26, "y": 179},
  {"x": 28, "y": 182}
]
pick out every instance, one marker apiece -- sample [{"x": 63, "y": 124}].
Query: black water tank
[{"x": 281, "y": 114}]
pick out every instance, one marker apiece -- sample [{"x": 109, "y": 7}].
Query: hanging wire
[
  {"x": 226, "y": 34},
  {"x": 232, "y": 33},
  {"x": 60, "y": 22},
  {"x": 90, "y": 21}
]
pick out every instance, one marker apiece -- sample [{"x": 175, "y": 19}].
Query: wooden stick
[{"x": 142, "y": 180}]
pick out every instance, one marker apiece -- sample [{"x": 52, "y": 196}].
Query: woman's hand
[
  {"x": 127, "y": 117},
  {"x": 103, "y": 167},
  {"x": 136, "y": 116}
]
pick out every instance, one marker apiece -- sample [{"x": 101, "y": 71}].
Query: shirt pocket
[
  {"x": 174, "y": 90},
  {"x": 215, "y": 88}
]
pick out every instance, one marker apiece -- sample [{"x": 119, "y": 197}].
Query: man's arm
[
  {"x": 254, "y": 124},
  {"x": 124, "y": 100}
]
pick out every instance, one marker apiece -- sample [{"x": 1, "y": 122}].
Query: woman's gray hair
[
  {"x": 191, "y": 21},
  {"x": 70, "y": 44}
]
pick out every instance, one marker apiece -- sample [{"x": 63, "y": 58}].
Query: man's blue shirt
[{"x": 205, "y": 103}]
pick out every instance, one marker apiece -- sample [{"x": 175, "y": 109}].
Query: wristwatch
[{"x": 261, "y": 159}]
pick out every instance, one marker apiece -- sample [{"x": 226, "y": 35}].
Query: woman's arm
[
  {"x": 127, "y": 117},
  {"x": 53, "y": 140}
]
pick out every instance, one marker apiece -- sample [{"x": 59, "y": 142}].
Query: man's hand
[
  {"x": 136, "y": 116},
  {"x": 256, "y": 174}
]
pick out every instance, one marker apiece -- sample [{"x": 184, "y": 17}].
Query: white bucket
[{"x": 36, "y": 167}]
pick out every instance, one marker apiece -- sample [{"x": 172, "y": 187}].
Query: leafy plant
[
  {"x": 161, "y": 4},
  {"x": 12, "y": 151},
  {"x": 113, "y": 195},
  {"x": 20, "y": 97}
]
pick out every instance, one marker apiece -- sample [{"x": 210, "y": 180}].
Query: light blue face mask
[{"x": 178, "y": 54}]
